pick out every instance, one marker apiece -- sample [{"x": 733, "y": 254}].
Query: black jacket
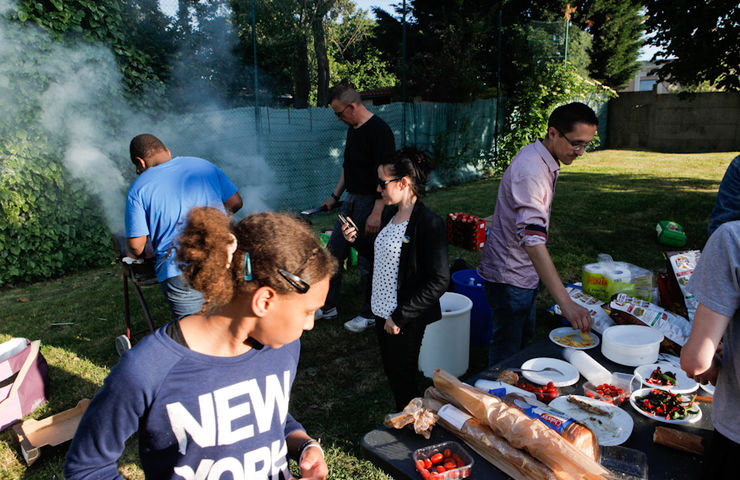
[{"x": 423, "y": 269}]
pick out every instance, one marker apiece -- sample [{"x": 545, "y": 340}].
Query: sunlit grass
[{"x": 606, "y": 202}]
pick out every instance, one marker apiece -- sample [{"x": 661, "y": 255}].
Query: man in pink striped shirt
[{"x": 515, "y": 257}]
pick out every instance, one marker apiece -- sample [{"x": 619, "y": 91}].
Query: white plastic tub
[
  {"x": 446, "y": 342},
  {"x": 631, "y": 345}
]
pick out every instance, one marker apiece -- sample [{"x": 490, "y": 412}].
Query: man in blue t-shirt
[{"x": 158, "y": 203}]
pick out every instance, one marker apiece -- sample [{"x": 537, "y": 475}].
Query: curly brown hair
[{"x": 274, "y": 241}]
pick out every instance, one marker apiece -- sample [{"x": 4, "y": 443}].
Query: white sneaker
[
  {"x": 328, "y": 314},
  {"x": 359, "y": 324}
]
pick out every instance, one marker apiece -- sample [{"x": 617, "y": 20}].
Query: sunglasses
[{"x": 384, "y": 183}]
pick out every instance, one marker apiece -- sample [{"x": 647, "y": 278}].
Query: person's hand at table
[
  {"x": 391, "y": 328},
  {"x": 710, "y": 375},
  {"x": 313, "y": 465},
  {"x": 578, "y": 316}
]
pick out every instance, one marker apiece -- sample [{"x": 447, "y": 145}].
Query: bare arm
[
  {"x": 578, "y": 316},
  {"x": 372, "y": 224},
  {"x": 135, "y": 246},
  {"x": 312, "y": 464},
  {"x": 331, "y": 202},
  {"x": 234, "y": 203},
  {"x": 697, "y": 356}
]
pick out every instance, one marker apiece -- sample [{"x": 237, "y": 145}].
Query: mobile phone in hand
[{"x": 346, "y": 220}]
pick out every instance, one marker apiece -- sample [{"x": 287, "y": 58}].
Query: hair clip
[{"x": 247, "y": 269}]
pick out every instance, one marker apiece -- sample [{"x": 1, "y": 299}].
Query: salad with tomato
[
  {"x": 671, "y": 406},
  {"x": 663, "y": 379}
]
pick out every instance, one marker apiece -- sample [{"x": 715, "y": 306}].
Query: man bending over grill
[{"x": 158, "y": 203}]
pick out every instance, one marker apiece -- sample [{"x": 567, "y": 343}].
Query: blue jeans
[
  {"x": 358, "y": 208},
  {"x": 513, "y": 312},
  {"x": 183, "y": 299},
  {"x": 727, "y": 205}
]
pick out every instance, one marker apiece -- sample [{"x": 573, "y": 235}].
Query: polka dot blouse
[{"x": 385, "y": 268}]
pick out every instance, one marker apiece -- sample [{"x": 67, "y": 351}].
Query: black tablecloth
[{"x": 392, "y": 449}]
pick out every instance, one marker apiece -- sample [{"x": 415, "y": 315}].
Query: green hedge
[{"x": 48, "y": 224}]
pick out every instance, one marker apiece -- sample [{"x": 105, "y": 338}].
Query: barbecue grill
[{"x": 140, "y": 274}]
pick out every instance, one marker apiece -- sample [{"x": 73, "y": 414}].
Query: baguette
[
  {"x": 516, "y": 463},
  {"x": 680, "y": 440},
  {"x": 522, "y": 432}
]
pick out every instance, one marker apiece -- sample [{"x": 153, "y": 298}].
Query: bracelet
[
  {"x": 308, "y": 444},
  {"x": 334, "y": 196}
]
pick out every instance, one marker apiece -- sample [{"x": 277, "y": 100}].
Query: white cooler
[{"x": 446, "y": 342}]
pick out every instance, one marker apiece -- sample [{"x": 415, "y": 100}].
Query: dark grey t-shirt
[{"x": 716, "y": 284}]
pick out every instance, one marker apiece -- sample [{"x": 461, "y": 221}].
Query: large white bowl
[{"x": 631, "y": 345}]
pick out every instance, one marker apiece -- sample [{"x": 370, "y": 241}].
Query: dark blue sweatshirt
[{"x": 198, "y": 416}]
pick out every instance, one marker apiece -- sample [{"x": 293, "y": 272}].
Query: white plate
[
  {"x": 559, "y": 332},
  {"x": 609, "y": 430},
  {"x": 684, "y": 383},
  {"x": 691, "y": 418},
  {"x": 709, "y": 388},
  {"x": 569, "y": 377}
]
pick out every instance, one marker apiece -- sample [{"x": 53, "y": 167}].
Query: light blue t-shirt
[
  {"x": 716, "y": 284},
  {"x": 160, "y": 199}
]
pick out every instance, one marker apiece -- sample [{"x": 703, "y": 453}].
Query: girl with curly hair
[{"x": 209, "y": 393}]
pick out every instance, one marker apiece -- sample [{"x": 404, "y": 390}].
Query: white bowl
[{"x": 631, "y": 345}]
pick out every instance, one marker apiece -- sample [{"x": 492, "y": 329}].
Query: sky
[{"x": 384, "y": 4}]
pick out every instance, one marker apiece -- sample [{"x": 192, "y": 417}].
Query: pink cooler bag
[{"x": 24, "y": 379}]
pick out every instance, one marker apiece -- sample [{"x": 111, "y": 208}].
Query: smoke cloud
[{"x": 78, "y": 92}]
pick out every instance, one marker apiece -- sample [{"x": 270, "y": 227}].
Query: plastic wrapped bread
[
  {"x": 516, "y": 463},
  {"x": 566, "y": 461}
]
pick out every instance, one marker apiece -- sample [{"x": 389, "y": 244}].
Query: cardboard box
[{"x": 53, "y": 430}]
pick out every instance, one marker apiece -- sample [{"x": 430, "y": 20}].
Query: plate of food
[
  {"x": 570, "y": 337},
  {"x": 611, "y": 425},
  {"x": 565, "y": 375},
  {"x": 665, "y": 376},
  {"x": 664, "y": 406},
  {"x": 709, "y": 388}
]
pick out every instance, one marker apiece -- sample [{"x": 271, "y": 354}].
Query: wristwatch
[{"x": 334, "y": 196}]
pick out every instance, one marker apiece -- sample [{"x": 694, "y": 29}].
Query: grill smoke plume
[{"x": 77, "y": 91}]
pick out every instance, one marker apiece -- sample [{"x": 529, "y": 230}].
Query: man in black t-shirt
[{"x": 369, "y": 139}]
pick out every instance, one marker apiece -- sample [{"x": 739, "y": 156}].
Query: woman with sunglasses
[
  {"x": 209, "y": 393},
  {"x": 410, "y": 268}
]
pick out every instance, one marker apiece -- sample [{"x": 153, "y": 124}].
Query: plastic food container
[
  {"x": 631, "y": 345},
  {"x": 625, "y": 463},
  {"x": 619, "y": 380},
  {"x": 456, "y": 452}
]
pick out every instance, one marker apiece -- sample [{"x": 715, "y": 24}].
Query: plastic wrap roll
[{"x": 587, "y": 366}]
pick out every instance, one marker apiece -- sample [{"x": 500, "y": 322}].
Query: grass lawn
[{"x": 607, "y": 202}]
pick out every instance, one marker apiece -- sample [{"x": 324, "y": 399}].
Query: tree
[
  {"x": 286, "y": 31},
  {"x": 698, "y": 41},
  {"x": 616, "y": 29},
  {"x": 122, "y": 26},
  {"x": 352, "y": 56}
]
